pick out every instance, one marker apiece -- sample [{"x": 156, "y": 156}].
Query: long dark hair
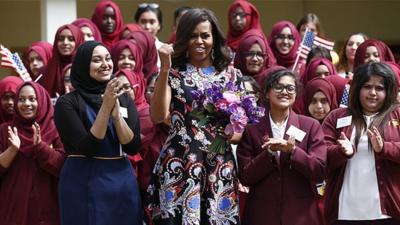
[
  {"x": 187, "y": 24},
  {"x": 362, "y": 75}
]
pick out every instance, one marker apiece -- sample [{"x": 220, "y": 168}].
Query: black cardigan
[{"x": 74, "y": 128}]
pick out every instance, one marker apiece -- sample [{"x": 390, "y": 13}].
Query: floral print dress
[{"x": 191, "y": 185}]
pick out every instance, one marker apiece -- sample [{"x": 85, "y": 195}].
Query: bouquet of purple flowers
[{"x": 225, "y": 106}]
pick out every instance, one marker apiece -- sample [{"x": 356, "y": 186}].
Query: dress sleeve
[
  {"x": 311, "y": 162},
  {"x": 133, "y": 146},
  {"x": 253, "y": 165},
  {"x": 50, "y": 158},
  {"x": 71, "y": 128},
  {"x": 335, "y": 156}
]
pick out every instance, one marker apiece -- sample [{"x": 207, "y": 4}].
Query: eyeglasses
[
  {"x": 239, "y": 14},
  {"x": 259, "y": 55},
  {"x": 290, "y": 89},
  {"x": 148, "y": 5},
  {"x": 128, "y": 87},
  {"x": 283, "y": 37}
]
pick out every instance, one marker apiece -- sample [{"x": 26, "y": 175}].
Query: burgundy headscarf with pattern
[
  {"x": 288, "y": 59},
  {"x": 43, "y": 49},
  {"x": 250, "y": 38},
  {"x": 309, "y": 73},
  {"x": 385, "y": 54},
  {"x": 8, "y": 84},
  {"x": 97, "y": 18},
  {"x": 53, "y": 80},
  {"x": 323, "y": 85},
  {"x": 252, "y": 22},
  {"x": 85, "y": 22}
]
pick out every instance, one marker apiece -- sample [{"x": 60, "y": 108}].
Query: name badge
[
  {"x": 296, "y": 133},
  {"x": 343, "y": 122},
  {"x": 123, "y": 111}
]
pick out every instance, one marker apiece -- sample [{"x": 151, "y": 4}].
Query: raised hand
[
  {"x": 345, "y": 144},
  {"x": 165, "y": 52},
  {"x": 376, "y": 139},
  {"x": 13, "y": 138},
  {"x": 37, "y": 137}
]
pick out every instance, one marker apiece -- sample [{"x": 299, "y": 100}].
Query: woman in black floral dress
[{"x": 190, "y": 184}]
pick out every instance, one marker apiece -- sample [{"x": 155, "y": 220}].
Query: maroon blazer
[
  {"x": 387, "y": 164},
  {"x": 284, "y": 193}
]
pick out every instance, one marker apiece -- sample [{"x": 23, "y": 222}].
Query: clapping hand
[
  {"x": 345, "y": 145},
  {"x": 13, "y": 138},
  {"x": 278, "y": 144},
  {"x": 376, "y": 139},
  {"x": 113, "y": 91},
  {"x": 37, "y": 137}
]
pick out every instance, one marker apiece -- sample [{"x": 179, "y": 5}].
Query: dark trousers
[{"x": 368, "y": 222}]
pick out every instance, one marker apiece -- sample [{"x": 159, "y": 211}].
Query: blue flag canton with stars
[
  {"x": 18, "y": 62},
  {"x": 309, "y": 39}
]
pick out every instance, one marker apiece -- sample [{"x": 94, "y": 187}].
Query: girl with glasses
[
  {"x": 281, "y": 159},
  {"x": 254, "y": 55},
  {"x": 242, "y": 16},
  {"x": 284, "y": 41}
]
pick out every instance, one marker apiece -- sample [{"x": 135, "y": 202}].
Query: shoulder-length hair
[
  {"x": 362, "y": 75},
  {"x": 343, "y": 61},
  {"x": 187, "y": 24}
]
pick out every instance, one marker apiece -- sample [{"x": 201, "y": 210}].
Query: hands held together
[
  {"x": 277, "y": 144},
  {"x": 113, "y": 90}
]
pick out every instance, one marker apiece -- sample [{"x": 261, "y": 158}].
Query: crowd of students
[{"x": 104, "y": 133}]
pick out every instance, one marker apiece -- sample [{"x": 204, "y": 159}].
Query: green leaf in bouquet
[
  {"x": 210, "y": 107},
  {"x": 218, "y": 145},
  {"x": 203, "y": 121},
  {"x": 198, "y": 114}
]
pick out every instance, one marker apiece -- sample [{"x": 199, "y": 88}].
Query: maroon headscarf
[
  {"x": 43, "y": 49},
  {"x": 312, "y": 66},
  {"x": 147, "y": 45},
  {"x": 339, "y": 83},
  {"x": 53, "y": 80},
  {"x": 44, "y": 117},
  {"x": 288, "y": 59},
  {"x": 139, "y": 89},
  {"x": 385, "y": 54},
  {"x": 8, "y": 84},
  {"x": 131, "y": 27},
  {"x": 85, "y": 22},
  {"x": 323, "y": 85},
  {"x": 136, "y": 53},
  {"x": 252, "y": 22},
  {"x": 396, "y": 70},
  {"x": 97, "y": 18},
  {"x": 250, "y": 38}
]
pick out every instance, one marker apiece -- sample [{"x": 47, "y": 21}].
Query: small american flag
[
  {"x": 345, "y": 98},
  {"x": 13, "y": 61},
  {"x": 310, "y": 40}
]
